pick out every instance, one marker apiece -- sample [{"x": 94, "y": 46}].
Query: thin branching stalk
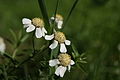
[
  {"x": 10, "y": 58},
  {"x": 33, "y": 42},
  {"x": 41, "y": 50}
]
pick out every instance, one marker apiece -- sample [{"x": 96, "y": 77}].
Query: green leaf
[
  {"x": 56, "y": 8},
  {"x": 42, "y": 6},
  {"x": 9, "y": 40},
  {"x": 71, "y": 10},
  {"x": 9, "y": 57},
  {"x": 24, "y": 38},
  {"x": 0, "y": 71},
  {"x": 75, "y": 54},
  {"x": 83, "y": 61},
  {"x": 13, "y": 34},
  {"x": 81, "y": 68},
  {"x": 55, "y": 52},
  {"x": 19, "y": 34}
]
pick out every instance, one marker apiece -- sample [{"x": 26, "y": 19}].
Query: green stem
[
  {"x": 5, "y": 73},
  {"x": 41, "y": 50},
  {"x": 26, "y": 71},
  {"x": 10, "y": 57},
  {"x": 14, "y": 53},
  {"x": 43, "y": 9},
  {"x": 57, "y": 4},
  {"x": 71, "y": 10},
  {"x": 33, "y": 42}
]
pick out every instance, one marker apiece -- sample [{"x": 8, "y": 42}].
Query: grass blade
[
  {"x": 71, "y": 10},
  {"x": 42, "y": 6},
  {"x": 57, "y": 4}
]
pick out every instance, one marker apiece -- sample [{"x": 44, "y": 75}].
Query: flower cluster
[{"x": 58, "y": 38}]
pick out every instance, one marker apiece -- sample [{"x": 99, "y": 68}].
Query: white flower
[
  {"x": 35, "y": 23},
  {"x": 2, "y": 45},
  {"x": 58, "y": 20},
  {"x": 64, "y": 60},
  {"x": 60, "y": 38},
  {"x": 119, "y": 47}
]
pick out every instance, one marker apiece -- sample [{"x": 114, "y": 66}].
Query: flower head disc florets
[
  {"x": 59, "y": 17},
  {"x": 38, "y": 22},
  {"x": 58, "y": 20},
  {"x": 64, "y": 59},
  {"x": 60, "y": 37}
]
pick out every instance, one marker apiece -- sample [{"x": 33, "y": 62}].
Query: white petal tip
[
  {"x": 72, "y": 62},
  {"x": 49, "y": 37},
  {"x": 67, "y": 42},
  {"x": 26, "y": 21},
  {"x": 63, "y": 48}
]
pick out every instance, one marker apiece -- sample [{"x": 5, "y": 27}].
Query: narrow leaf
[
  {"x": 54, "y": 53},
  {"x": 24, "y": 38},
  {"x": 42, "y": 6},
  {"x": 71, "y": 10},
  {"x": 13, "y": 34},
  {"x": 75, "y": 51},
  {"x": 57, "y": 4}
]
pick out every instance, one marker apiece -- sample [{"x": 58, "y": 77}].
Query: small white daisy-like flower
[
  {"x": 60, "y": 38},
  {"x": 2, "y": 45},
  {"x": 35, "y": 23},
  {"x": 119, "y": 47},
  {"x": 59, "y": 20},
  {"x": 64, "y": 61}
]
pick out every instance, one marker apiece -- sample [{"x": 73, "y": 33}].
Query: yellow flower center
[
  {"x": 60, "y": 37},
  {"x": 64, "y": 59},
  {"x": 37, "y": 22},
  {"x": 59, "y": 17}
]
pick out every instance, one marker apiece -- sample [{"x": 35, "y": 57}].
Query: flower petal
[
  {"x": 26, "y": 21},
  {"x": 26, "y": 25},
  {"x": 53, "y": 62},
  {"x": 69, "y": 67},
  {"x": 44, "y": 30},
  {"x": 62, "y": 71},
  {"x": 38, "y": 33},
  {"x": 43, "y": 33},
  {"x": 57, "y": 72},
  {"x": 67, "y": 42},
  {"x": 63, "y": 48},
  {"x": 53, "y": 45},
  {"x": 59, "y": 25},
  {"x": 72, "y": 62},
  {"x": 49, "y": 37},
  {"x": 2, "y": 47},
  {"x": 52, "y": 18},
  {"x": 30, "y": 28}
]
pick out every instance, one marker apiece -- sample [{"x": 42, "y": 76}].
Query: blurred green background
[{"x": 94, "y": 28}]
